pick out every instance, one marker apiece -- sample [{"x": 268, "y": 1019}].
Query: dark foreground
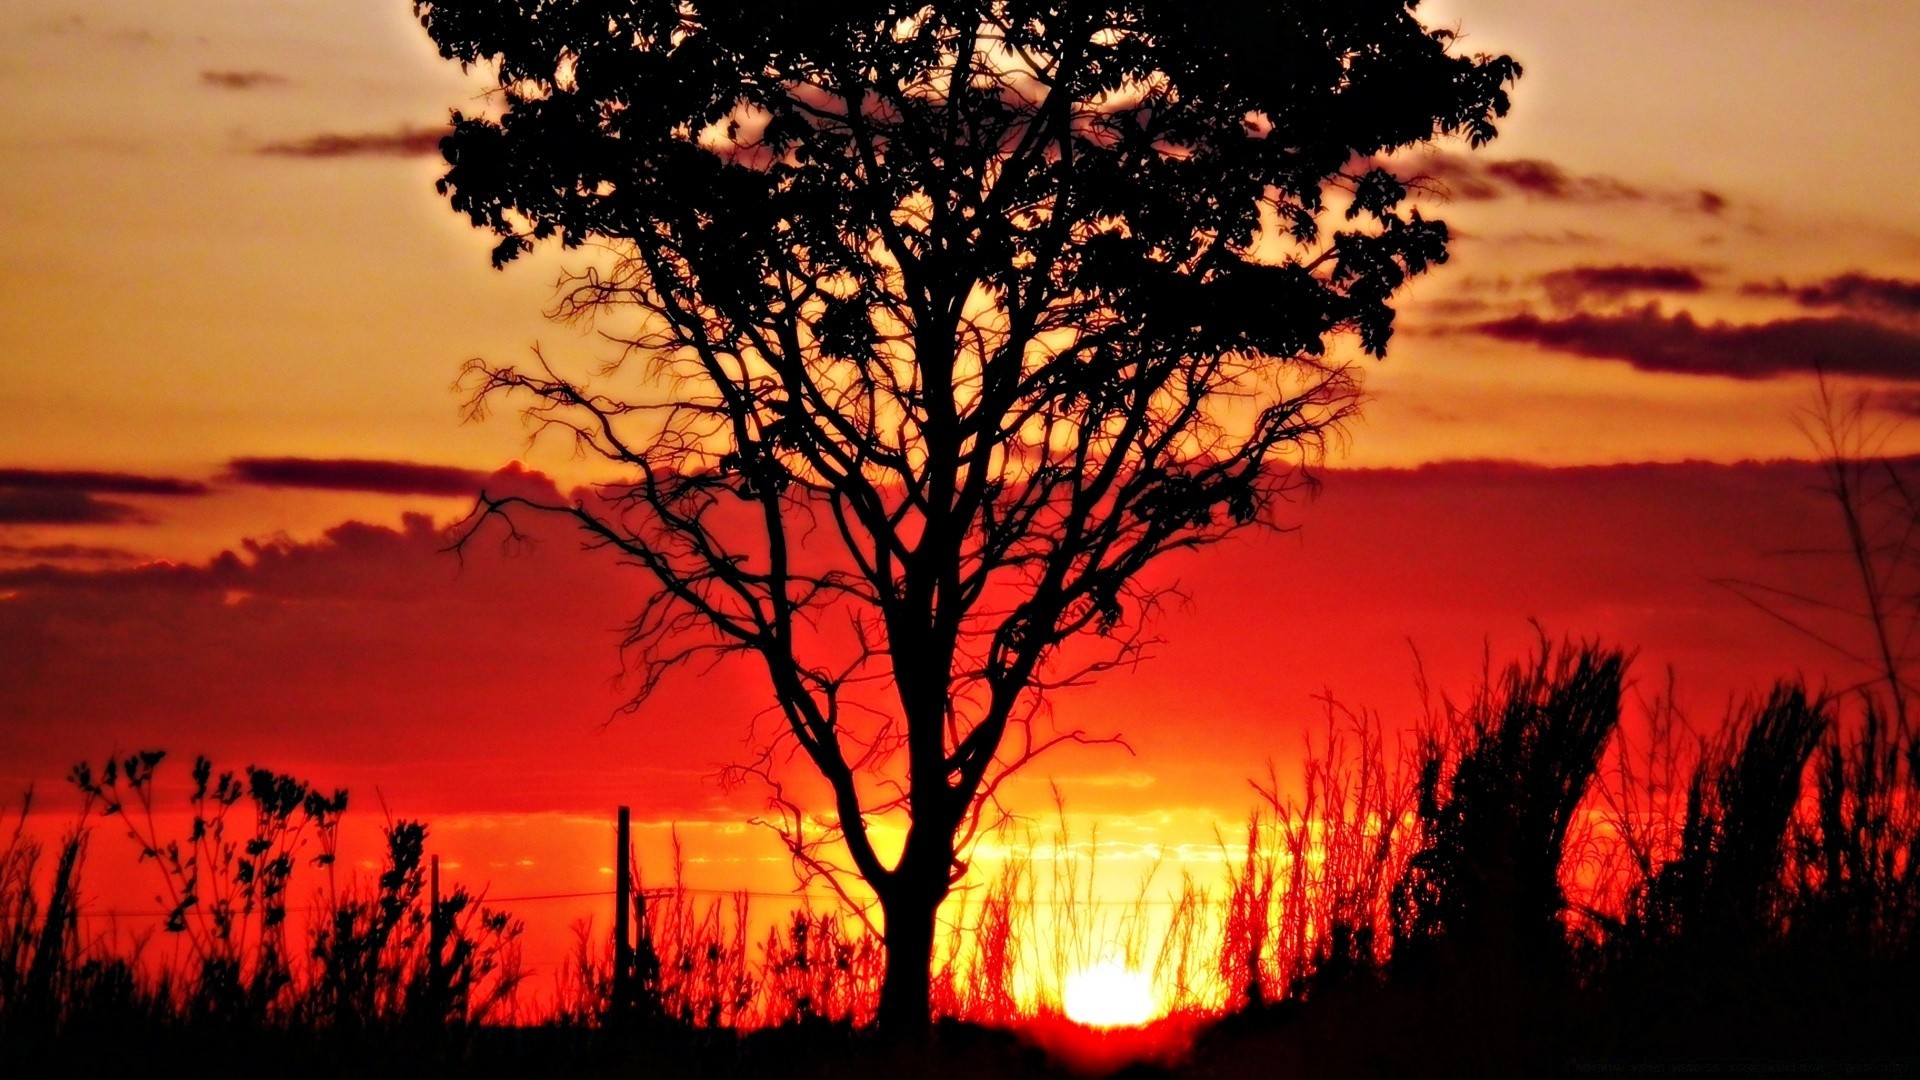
[{"x": 1380, "y": 1032}]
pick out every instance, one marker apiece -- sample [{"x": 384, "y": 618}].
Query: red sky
[
  {"x": 224, "y": 269},
  {"x": 371, "y": 656}
]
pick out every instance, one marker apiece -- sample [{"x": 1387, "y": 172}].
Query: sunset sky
[{"x": 223, "y": 268}]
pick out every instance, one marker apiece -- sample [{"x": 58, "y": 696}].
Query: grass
[{"x": 1526, "y": 882}]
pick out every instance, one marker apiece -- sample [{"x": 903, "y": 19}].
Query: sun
[{"x": 1109, "y": 995}]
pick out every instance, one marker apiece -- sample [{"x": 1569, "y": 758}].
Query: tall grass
[{"x": 1310, "y": 900}]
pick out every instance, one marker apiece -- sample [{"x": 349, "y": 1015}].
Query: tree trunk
[{"x": 906, "y": 995}]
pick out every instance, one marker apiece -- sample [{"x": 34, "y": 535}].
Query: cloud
[
  {"x": 79, "y": 26},
  {"x": 403, "y": 142},
  {"x": 1462, "y": 473},
  {"x": 1454, "y": 307},
  {"x": 242, "y": 80},
  {"x": 1575, "y": 285},
  {"x": 1563, "y": 238},
  {"x": 1530, "y": 176},
  {"x": 279, "y": 568},
  {"x": 357, "y": 474},
  {"x": 1653, "y": 341},
  {"x": 112, "y": 483},
  {"x": 1899, "y": 402},
  {"x": 69, "y": 553},
  {"x": 1854, "y": 292},
  {"x": 29, "y": 506},
  {"x": 70, "y": 497},
  {"x": 1478, "y": 179}
]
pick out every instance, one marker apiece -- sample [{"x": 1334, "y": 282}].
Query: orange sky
[{"x": 222, "y": 248}]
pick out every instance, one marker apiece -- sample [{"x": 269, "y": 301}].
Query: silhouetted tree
[{"x": 946, "y": 320}]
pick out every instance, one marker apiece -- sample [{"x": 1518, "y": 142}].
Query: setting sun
[{"x": 1109, "y": 995}]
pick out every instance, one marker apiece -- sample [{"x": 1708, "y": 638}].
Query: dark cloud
[
  {"x": 69, "y": 553},
  {"x": 112, "y": 483},
  {"x": 1855, "y": 292},
  {"x": 1452, "y": 472},
  {"x": 279, "y": 568},
  {"x": 69, "y": 497},
  {"x": 1901, "y": 402},
  {"x": 1457, "y": 177},
  {"x": 404, "y": 142},
  {"x": 1653, "y": 341},
  {"x": 1477, "y": 179},
  {"x": 1575, "y": 285},
  {"x": 242, "y": 80},
  {"x": 37, "y": 506},
  {"x": 356, "y": 474},
  {"x": 1530, "y": 176}
]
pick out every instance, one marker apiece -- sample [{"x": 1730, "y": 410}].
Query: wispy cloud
[
  {"x": 356, "y": 474},
  {"x": 1653, "y": 341},
  {"x": 80, "y": 26},
  {"x": 72, "y": 497},
  {"x": 69, "y": 553},
  {"x": 28, "y": 506},
  {"x": 402, "y": 142},
  {"x": 113, "y": 483},
  {"x": 1477, "y": 179},
  {"x": 1531, "y": 176},
  {"x": 1854, "y": 292},
  {"x": 1901, "y": 402},
  {"x": 243, "y": 80},
  {"x": 1576, "y": 285}
]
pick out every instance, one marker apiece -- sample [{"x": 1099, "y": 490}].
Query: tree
[
  {"x": 937, "y": 324},
  {"x": 1880, "y": 511}
]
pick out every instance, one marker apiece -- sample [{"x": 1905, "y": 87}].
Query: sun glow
[{"x": 1109, "y": 995}]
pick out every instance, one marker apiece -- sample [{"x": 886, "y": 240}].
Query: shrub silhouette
[
  {"x": 366, "y": 958},
  {"x": 1498, "y": 786},
  {"x": 1724, "y": 888}
]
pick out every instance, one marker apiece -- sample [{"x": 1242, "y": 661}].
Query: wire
[
  {"x": 665, "y": 893},
  {"x": 651, "y": 894}
]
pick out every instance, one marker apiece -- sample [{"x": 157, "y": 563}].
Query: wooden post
[
  {"x": 622, "y": 917},
  {"x": 436, "y": 945}
]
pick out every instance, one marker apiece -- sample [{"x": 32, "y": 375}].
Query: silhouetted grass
[{"x": 373, "y": 956}]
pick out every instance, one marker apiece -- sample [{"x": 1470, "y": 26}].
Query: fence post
[
  {"x": 622, "y": 919},
  {"x": 436, "y": 946}
]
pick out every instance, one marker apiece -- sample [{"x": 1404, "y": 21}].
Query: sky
[{"x": 224, "y": 272}]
